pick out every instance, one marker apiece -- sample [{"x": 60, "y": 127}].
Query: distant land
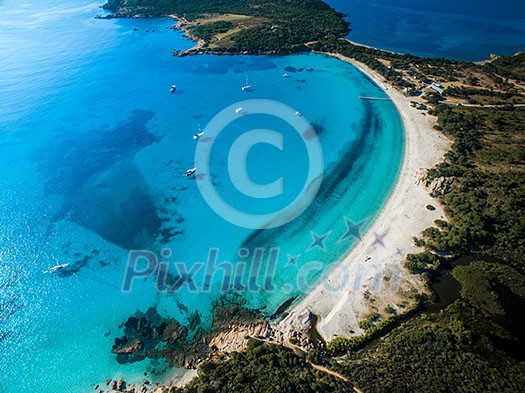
[
  {"x": 472, "y": 342},
  {"x": 258, "y": 26}
]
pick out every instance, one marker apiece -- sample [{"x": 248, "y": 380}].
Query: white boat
[
  {"x": 298, "y": 114},
  {"x": 198, "y": 135},
  {"x": 247, "y": 86},
  {"x": 190, "y": 172},
  {"x": 285, "y": 75},
  {"x": 238, "y": 109},
  {"x": 173, "y": 89},
  {"x": 56, "y": 268}
]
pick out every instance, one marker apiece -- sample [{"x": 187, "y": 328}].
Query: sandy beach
[{"x": 371, "y": 276}]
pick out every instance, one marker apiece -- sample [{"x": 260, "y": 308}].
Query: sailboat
[{"x": 247, "y": 86}]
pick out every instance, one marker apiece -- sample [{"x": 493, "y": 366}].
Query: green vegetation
[
  {"x": 284, "y": 25},
  {"x": 262, "y": 368},
  {"x": 368, "y": 56},
  {"x": 389, "y": 309},
  {"x": 208, "y": 30},
  {"x": 489, "y": 83},
  {"x": 369, "y": 321},
  {"x": 341, "y": 345},
  {"x": 482, "y": 284},
  {"x": 509, "y": 66},
  {"x": 475, "y": 344},
  {"x": 485, "y": 204},
  {"x": 451, "y": 351},
  {"x": 373, "y": 326}
]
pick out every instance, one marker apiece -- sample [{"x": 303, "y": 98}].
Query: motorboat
[
  {"x": 198, "y": 135},
  {"x": 56, "y": 268},
  {"x": 190, "y": 172},
  {"x": 173, "y": 89}
]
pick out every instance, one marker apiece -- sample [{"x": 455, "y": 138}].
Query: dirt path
[{"x": 323, "y": 369}]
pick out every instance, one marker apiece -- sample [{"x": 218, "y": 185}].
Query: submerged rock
[
  {"x": 175, "y": 333},
  {"x": 133, "y": 347},
  {"x": 103, "y": 190},
  {"x": 149, "y": 335}
]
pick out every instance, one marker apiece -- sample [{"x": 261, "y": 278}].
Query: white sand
[{"x": 376, "y": 277}]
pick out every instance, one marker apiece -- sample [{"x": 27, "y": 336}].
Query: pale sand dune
[{"x": 375, "y": 276}]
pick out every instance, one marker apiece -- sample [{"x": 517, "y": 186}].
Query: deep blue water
[
  {"x": 92, "y": 151},
  {"x": 463, "y": 30}
]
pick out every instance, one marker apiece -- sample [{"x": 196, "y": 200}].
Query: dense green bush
[
  {"x": 486, "y": 204},
  {"x": 208, "y": 30},
  {"x": 452, "y": 351},
  {"x": 263, "y": 368},
  {"x": 291, "y": 23}
]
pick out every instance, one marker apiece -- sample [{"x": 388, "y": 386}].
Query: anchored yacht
[
  {"x": 190, "y": 172},
  {"x": 198, "y": 135},
  {"x": 56, "y": 268}
]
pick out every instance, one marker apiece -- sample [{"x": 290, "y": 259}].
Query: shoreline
[
  {"x": 374, "y": 264},
  {"x": 181, "y": 23}
]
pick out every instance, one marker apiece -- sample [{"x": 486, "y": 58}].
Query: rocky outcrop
[
  {"x": 440, "y": 186},
  {"x": 236, "y": 337},
  {"x": 301, "y": 330},
  {"x": 119, "y": 385},
  {"x": 229, "y": 52},
  {"x": 149, "y": 335},
  {"x": 133, "y": 347},
  {"x": 142, "y": 333}
]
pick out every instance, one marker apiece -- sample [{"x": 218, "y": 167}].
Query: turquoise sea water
[
  {"x": 464, "y": 30},
  {"x": 92, "y": 151}
]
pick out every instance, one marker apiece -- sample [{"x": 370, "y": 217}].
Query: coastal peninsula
[{"x": 246, "y": 26}]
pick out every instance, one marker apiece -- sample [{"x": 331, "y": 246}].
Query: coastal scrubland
[
  {"x": 258, "y": 26},
  {"x": 484, "y": 202},
  {"x": 498, "y": 81},
  {"x": 263, "y": 368}
]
